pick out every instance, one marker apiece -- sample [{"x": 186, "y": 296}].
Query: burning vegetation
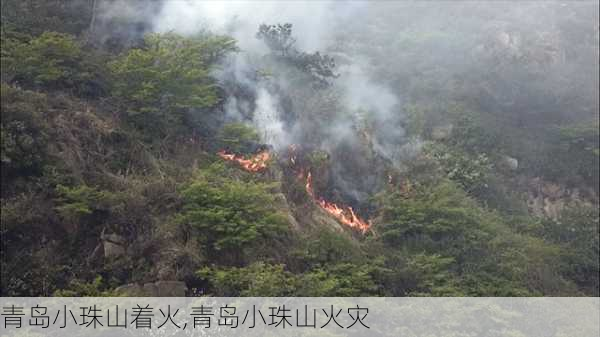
[
  {"x": 344, "y": 214},
  {"x": 256, "y": 163},
  {"x": 110, "y": 110}
]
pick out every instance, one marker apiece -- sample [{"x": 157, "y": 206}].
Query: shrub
[
  {"x": 169, "y": 75},
  {"x": 230, "y": 215},
  {"x": 51, "y": 61},
  {"x": 237, "y": 137},
  {"x": 257, "y": 279},
  {"x": 23, "y": 134}
]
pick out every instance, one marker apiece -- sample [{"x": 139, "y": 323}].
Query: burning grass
[{"x": 256, "y": 163}]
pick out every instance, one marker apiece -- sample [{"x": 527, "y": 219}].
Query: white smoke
[
  {"x": 267, "y": 119},
  {"x": 313, "y": 20},
  {"x": 381, "y": 106},
  {"x": 316, "y": 25}
]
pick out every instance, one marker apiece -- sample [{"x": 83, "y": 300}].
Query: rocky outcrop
[
  {"x": 281, "y": 200},
  {"x": 170, "y": 288},
  {"x": 508, "y": 163},
  {"x": 153, "y": 289},
  {"x": 547, "y": 199},
  {"x": 110, "y": 246},
  {"x": 132, "y": 290},
  {"x": 113, "y": 244}
]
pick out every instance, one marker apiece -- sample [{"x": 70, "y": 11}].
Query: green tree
[
  {"x": 237, "y": 137},
  {"x": 343, "y": 279},
  {"x": 262, "y": 279},
  {"x": 471, "y": 171},
  {"x": 277, "y": 37},
  {"x": 433, "y": 275},
  {"x": 230, "y": 215},
  {"x": 576, "y": 231},
  {"x": 79, "y": 201},
  {"x": 319, "y": 67},
  {"x": 168, "y": 76},
  {"x": 257, "y": 279},
  {"x": 35, "y": 17},
  {"x": 51, "y": 61},
  {"x": 473, "y": 245},
  {"x": 23, "y": 134},
  {"x": 79, "y": 288}
]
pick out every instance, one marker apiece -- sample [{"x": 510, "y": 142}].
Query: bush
[
  {"x": 169, "y": 75},
  {"x": 229, "y": 215},
  {"x": 79, "y": 288},
  {"x": 35, "y": 17},
  {"x": 261, "y": 279},
  {"x": 237, "y": 137},
  {"x": 77, "y": 202},
  {"x": 258, "y": 279},
  {"x": 343, "y": 279},
  {"x": 575, "y": 155},
  {"x": 576, "y": 231},
  {"x": 51, "y": 61},
  {"x": 470, "y": 171},
  {"x": 479, "y": 251},
  {"x": 23, "y": 134}
]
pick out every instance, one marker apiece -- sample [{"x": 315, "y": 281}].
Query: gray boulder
[
  {"x": 171, "y": 288},
  {"x": 154, "y": 289},
  {"x": 113, "y": 244},
  {"x": 509, "y": 163}
]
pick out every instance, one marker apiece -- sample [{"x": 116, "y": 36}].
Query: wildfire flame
[
  {"x": 344, "y": 214},
  {"x": 256, "y": 163}
]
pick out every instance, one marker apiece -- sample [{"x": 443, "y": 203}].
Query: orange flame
[
  {"x": 256, "y": 163},
  {"x": 344, "y": 214}
]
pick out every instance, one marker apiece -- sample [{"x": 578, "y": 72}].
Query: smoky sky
[
  {"x": 539, "y": 59},
  {"x": 316, "y": 26}
]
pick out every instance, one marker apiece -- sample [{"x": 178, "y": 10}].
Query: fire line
[
  {"x": 344, "y": 214},
  {"x": 256, "y": 163}
]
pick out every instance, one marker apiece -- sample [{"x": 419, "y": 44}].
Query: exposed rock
[
  {"x": 553, "y": 190},
  {"x": 113, "y": 244},
  {"x": 132, "y": 290},
  {"x": 280, "y": 199},
  {"x": 165, "y": 272},
  {"x": 114, "y": 238},
  {"x": 323, "y": 218},
  {"x": 97, "y": 254},
  {"x": 113, "y": 250},
  {"x": 546, "y": 199},
  {"x": 165, "y": 266},
  {"x": 171, "y": 288},
  {"x": 150, "y": 289},
  {"x": 442, "y": 132},
  {"x": 509, "y": 163},
  {"x": 535, "y": 205},
  {"x": 154, "y": 289},
  {"x": 110, "y": 245},
  {"x": 553, "y": 208}
]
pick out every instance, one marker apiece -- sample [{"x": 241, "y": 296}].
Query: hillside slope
[{"x": 146, "y": 163}]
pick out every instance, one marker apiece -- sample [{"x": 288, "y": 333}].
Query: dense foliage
[
  {"x": 160, "y": 82},
  {"x": 229, "y": 215},
  {"x": 114, "y": 144}
]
